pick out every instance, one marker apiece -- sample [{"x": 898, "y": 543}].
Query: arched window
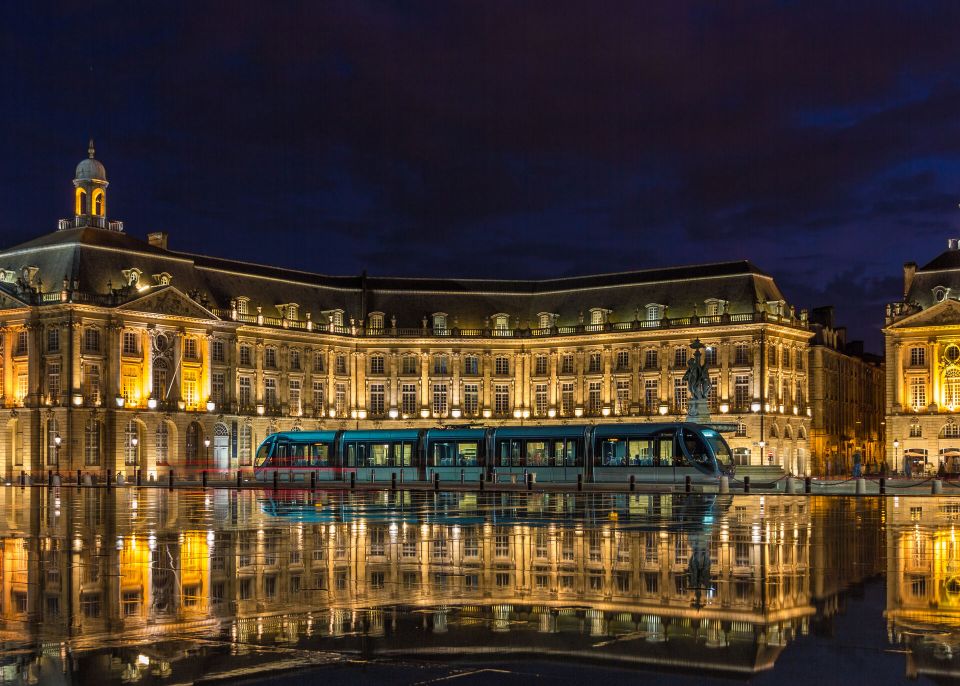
[
  {"x": 162, "y": 443},
  {"x": 192, "y": 446},
  {"x": 98, "y": 202},
  {"x": 53, "y": 444},
  {"x": 501, "y": 322},
  {"x": 951, "y": 388},
  {"x": 951, "y": 430},
  {"x": 787, "y": 432},
  {"x": 91, "y": 443},
  {"x": 774, "y": 432},
  {"x": 81, "y": 201},
  {"x": 221, "y": 446},
  {"x": 802, "y": 434},
  {"x": 376, "y": 321},
  {"x": 131, "y": 444}
]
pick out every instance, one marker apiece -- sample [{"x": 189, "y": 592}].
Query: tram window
[
  {"x": 720, "y": 448},
  {"x": 695, "y": 446},
  {"x": 623, "y": 452},
  {"x": 666, "y": 451},
  {"x": 263, "y": 452},
  {"x": 350, "y": 455},
  {"x": 613, "y": 453},
  {"x": 403, "y": 454},
  {"x": 454, "y": 454},
  {"x": 320, "y": 455},
  {"x": 537, "y": 454},
  {"x": 571, "y": 454},
  {"x": 508, "y": 453},
  {"x": 378, "y": 455},
  {"x": 297, "y": 453},
  {"x": 281, "y": 455},
  {"x": 640, "y": 452}
]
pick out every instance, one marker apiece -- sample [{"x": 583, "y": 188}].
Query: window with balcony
[
  {"x": 918, "y": 393},
  {"x": 218, "y": 386},
  {"x": 246, "y": 392},
  {"x": 376, "y": 322},
  {"x": 270, "y": 392},
  {"x": 319, "y": 397},
  {"x": 545, "y": 320},
  {"x": 408, "y": 399},
  {"x": 651, "y": 395},
  {"x": 501, "y": 322},
  {"x": 377, "y": 400},
  {"x": 594, "y": 404},
  {"x": 471, "y": 399},
  {"x": 501, "y": 400},
  {"x": 440, "y": 400},
  {"x": 439, "y": 323},
  {"x": 540, "y": 400},
  {"x": 654, "y": 312},
  {"x": 566, "y": 399},
  {"x": 598, "y": 316}
]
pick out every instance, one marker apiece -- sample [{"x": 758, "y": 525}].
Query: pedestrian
[
  {"x": 906, "y": 467},
  {"x": 857, "y": 466}
]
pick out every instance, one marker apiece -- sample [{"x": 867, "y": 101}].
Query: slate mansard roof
[{"x": 96, "y": 260}]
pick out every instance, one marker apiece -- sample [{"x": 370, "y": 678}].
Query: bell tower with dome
[{"x": 90, "y": 190}]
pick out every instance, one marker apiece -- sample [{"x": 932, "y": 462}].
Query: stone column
[
  {"x": 758, "y": 382},
  {"x": 665, "y": 390},
  {"x": 76, "y": 378},
  {"x": 934, "y": 400},
  {"x": 34, "y": 370},
  {"x": 636, "y": 363},
  {"x": 487, "y": 390},
  {"x": 455, "y": 392},
  {"x": 393, "y": 386},
  {"x": 521, "y": 383},
  {"x": 8, "y": 388},
  {"x": 579, "y": 395},
  {"x": 554, "y": 392},
  {"x": 425, "y": 381},
  {"x": 306, "y": 392},
  {"x": 283, "y": 379},
  {"x": 723, "y": 393},
  {"x": 258, "y": 374},
  {"x": 360, "y": 379},
  {"x": 606, "y": 392},
  {"x": 331, "y": 384},
  {"x": 146, "y": 379}
]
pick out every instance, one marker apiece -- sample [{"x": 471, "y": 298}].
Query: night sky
[{"x": 508, "y": 139}]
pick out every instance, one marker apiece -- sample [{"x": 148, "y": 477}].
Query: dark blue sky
[{"x": 505, "y": 139}]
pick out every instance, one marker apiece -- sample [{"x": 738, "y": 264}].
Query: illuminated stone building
[
  {"x": 847, "y": 397},
  {"x": 119, "y": 353},
  {"x": 922, "y": 338}
]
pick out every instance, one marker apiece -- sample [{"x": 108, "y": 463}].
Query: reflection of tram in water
[{"x": 607, "y": 452}]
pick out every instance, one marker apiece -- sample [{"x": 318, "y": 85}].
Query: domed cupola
[{"x": 91, "y": 191}]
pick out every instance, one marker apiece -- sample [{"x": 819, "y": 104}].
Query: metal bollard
[
  {"x": 393, "y": 481},
  {"x": 239, "y": 478},
  {"x": 579, "y": 482},
  {"x": 313, "y": 480},
  {"x": 724, "y": 484},
  {"x": 937, "y": 487},
  {"x": 529, "y": 482},
  {"x": 353, "y": 479},
  {"x": 633, "y": 482},
  {"x": 79, "y": 478},
  {"x": 436, "y": 481},
  {"x": 139, "y": 477},
  {"x": 746, "y": 484},
  {"x": 109, "y": 477},
  {"x": 883, "y": 486},
  {"x": 807, "y": 484},
  {"x": 687, "y": 483},
  {"x": 276, "y": 479},
  {"x": 861, "y": 488},
  {"x": 203, "y": 478},
  {"x": 169, "y": 479}
]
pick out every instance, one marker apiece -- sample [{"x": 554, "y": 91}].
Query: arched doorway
[{"x": 221, "y": 446}]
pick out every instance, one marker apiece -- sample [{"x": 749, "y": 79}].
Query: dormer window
[
  {"x": 598, "y": 315},
  {"x": 655, "y": 312},
  {"x": 131, "y": 277},
  {"x": 163, "y": 278},
  {"x": 546, "y": 319},
  {"x": 335, "y": 317},
  {"x": 501, "y": 322},
  {"x": 289, "y": 311},
  {"x": 715, "y": 306},
  {"x": 775, "y": 307},
  {"x": 940, "y": 294},
  {"x": 376, "y": 321},
  {"x": 439, "y": 322},
  {"x": 243, "y": 305}
]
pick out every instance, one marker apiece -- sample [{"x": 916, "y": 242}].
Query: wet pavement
[{"x": 185, "y": 586}]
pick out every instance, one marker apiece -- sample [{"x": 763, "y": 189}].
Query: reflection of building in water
[
  {"x": 923, "y": 583},
  {"x": 472, "y": 569}
]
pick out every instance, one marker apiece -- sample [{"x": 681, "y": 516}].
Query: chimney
[
  {"x": 158, "y": 239},
  {"x": 909, "y": 270}
]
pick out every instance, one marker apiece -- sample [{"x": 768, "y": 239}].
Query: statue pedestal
[{"x": 698, "y": 411}]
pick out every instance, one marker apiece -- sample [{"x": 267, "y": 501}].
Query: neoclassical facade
[
  {"x": 122, "y": 354},
  {"x": 922, "y": 337}
]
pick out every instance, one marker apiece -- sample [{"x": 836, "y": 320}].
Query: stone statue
[{"x": 696, "y": 376}]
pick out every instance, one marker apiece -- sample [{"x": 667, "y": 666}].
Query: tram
[{"x": 557, "y": 454}]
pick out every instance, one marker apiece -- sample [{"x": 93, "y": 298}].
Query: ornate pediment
[
  {"x": 946, "y": 313},
  {"x": 169, "y": 301}
]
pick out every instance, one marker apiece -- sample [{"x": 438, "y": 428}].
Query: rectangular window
[
  {"x": 540, "y": 400},
  {"x": 593, "y": 398},
  {"x": 91, "y": 342},
  {"x": 293, "y": 396},
  {"x": 22, "y": 387},
  {"x": 341, "y": 364},
  {"x": 319, "y": 397},
  {"x": 131, "y": 343},
  {"x": 651, "y": 395},
  {"x": 294, "y": 360},
  {"x": 129, "y": 386},
  {"x": 191, "y": 389},
  {"x": 440, "y": 399},
  {"x": 53, "y": 339},
  {"x": 772, "y": 355},
  {"x": 786, "y": 357},
  {"x": 502, "y": 366},
  {"x": 377, "y": 364},
  {"x": 679, "y": 395},
  {"x": 218, "y": 351},
  {"x": 318, "y": 362},
  {"x": 710, "y": 355},
  {"x": 680, "y": 357},
  {"x": 471, "y": 399},
  {"x": 246, "y": 356},
  {"x": 408, "y": 399},
  {"x": 741, "y": 354},
  {"x": 53, "y": 380},
  {"x": 595, "y": 363},
  {"x": 650, "y": 359},
  {"x": 471, "y": 365},
  {"x": 566, "y": 364},
  {"x": 91, "y": 378},
  {"x": 741, "y": 392},
  {"x": 377, "y": 400},
  {"x": 270, "y": 393},
  {"x": 540, "y": 365},
  {"x": 218, "y": 387},
  {"x": 623, "y": 360},
  {"x": 501, "y": 400},
  {"x": 190, "y": 350},
  {"x": 270, "y": 357},
  {"x": 566, "y": 399},
  {"x": 440, "y": 365},
  {"x": 623, "y": 397},
  {"x": 799, "y": 358},
  {"x": 340, "y": 400},
  {"x": 246, "y": 394},
  {"x": 408, "y": 364},
  {"x": 918, "y": 393},
  {"x": 918, "y": 357}
]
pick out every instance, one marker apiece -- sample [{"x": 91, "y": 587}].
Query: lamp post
[
  {"x": 896, "y": 456},
  {"x": 206, "y": 461},
  {"x": 56, "y": 452},
  {"x": 135, "y": 442}
]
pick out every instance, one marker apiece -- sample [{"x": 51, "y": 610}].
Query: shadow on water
[{"x": 173, "y": 587}]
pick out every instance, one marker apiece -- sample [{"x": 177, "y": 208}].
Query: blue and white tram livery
[{"x": 557, "y": 453}]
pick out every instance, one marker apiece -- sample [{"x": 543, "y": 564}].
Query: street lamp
[
  {"x": 206, "y": 444},
  {"x": 56, "y": 452},
  {"x": 134, "y": 442},
  {"x": 896, "y": 455}
]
